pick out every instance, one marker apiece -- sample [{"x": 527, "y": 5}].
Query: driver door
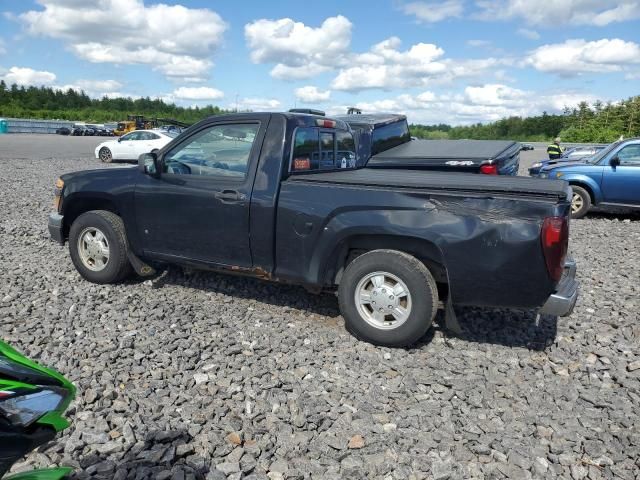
[
  {"x": 621, "y": 183},
  {"x": 198, "y": 208}
]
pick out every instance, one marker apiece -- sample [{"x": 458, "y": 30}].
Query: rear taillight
[
  {"x": 555, "y": 243},
  {"x": 325, "y": 123},
  {"x": 489, "y": 169}
]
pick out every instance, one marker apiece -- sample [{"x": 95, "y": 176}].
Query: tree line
[
  {"x": 596, "y": 122},
  {"x": 50, "y": 103}
]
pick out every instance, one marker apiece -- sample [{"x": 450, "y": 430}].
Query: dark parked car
[
  {"x": 576, "y": 154},
  {"x": 63, "y": 131},
  {"x": 527, "y": 146},
  {"x": 100, "y": 130},
  {"x": 82, "y": 130},
  {"x": 384, "y": 141},
  {"x": 280, "y": 196}
]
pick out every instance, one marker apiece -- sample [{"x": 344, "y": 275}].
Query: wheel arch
[
  {"x": 351, "y": 247},
  {"x": 74, "y": 207},
  {"x": 589, "y": 185}
]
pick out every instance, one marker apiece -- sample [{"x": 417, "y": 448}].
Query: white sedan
[{"x": 133, "y": 144}]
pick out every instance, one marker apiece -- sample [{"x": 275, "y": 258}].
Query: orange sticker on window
[{"x": 301, "y": 164}]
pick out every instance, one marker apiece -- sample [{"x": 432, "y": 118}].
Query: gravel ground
[{"x": 208, "y": 376}]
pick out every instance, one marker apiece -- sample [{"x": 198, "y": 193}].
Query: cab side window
[
  {"x": 220, "y": 150},
  {"x": 130, "y": 136},
  {"x": 315, "y": 149},
  {"x": 630, "y": 156}
]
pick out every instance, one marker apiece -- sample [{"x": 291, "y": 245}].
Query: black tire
[
  {"x": 580, "y": 202},
  {"x": 117, "y": 267},
  {"x": 419, "y": 282},
  {"x": 105, "y": 155}
]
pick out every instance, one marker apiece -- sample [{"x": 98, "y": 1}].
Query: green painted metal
[
  {"x": 17, "y": 357},
  {"x": 45, "y": 474},
  {"x": 53, "y": 419}
]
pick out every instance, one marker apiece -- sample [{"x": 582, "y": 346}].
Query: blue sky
[{"x": 454, "y": 61}]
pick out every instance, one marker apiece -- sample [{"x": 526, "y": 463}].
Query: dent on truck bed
[{"x": 489, "y": 244}]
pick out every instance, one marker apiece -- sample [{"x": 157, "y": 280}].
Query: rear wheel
[
  {"x": 388, "y": 298},
  {"x": 105, "y": 155},
  {"x": 98, "y": 247},
  {"x": 580, "y": 202}
]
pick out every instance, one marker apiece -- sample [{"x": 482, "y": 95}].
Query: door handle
[{"x": 230, "y": 196}]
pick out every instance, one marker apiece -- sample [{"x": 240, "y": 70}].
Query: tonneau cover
[
  {"x": 444, "y": 181},
  {"x": 441, "y": 151}
]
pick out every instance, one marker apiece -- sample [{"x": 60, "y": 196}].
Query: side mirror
[
  {"x": 149, "y": 164},
  {"x": 615, "y": 161},
  {"x": 119, "y": 139}
]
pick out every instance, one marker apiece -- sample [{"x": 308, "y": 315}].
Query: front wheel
[
  {"x": 98, "y": 247},
  {"x": 580, "y": 202},
  {"x": 388, "y": 298},
  {"x": 105, "y": 155}
]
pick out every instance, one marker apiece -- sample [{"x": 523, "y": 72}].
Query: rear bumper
[
  {"x": 561, "y": 302},
  {"x": 56, "y": 227}
]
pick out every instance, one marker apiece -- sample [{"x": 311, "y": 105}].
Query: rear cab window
[
  {"x": 317, "y": 149},
  {"x": 388, "y": 136}
]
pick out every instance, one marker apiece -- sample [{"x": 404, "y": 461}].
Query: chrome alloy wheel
[
  {"x": 383, "y": 300},
  {"x": 576, "y": 203},
  {"x": 93, "y": 249}
]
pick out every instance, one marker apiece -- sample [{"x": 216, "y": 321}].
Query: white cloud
[
  {"x": 256, "y": 104},
  {"x": 579, "y": 56},
  {"x": 28, "y": 76},
  {"x": 384, "y": 66},
  {"x": 556, "y": 12},
  {"x": 99, "y": 85},
  {"x": 479, "y": 43},
  {"x": 432, "y": 12},
  {"x": 301, "y": 52},
  {"x": 197, "y": 93},
  {"x": 528, "y": 33},
  {"x": 422, "y": 65},
  {"x": 474, "y": 104},
  {"x": 172, "y": 39},
  {"x": 298, "y": 50},
  {"x": 311, "y": 94}
]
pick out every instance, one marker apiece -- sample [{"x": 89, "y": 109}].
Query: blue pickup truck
[{"x": 611, "y": 178}]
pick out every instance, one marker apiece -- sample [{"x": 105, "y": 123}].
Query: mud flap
[
  {"x": 450, "y": 319},
  {"x": 139, "y": 266}
]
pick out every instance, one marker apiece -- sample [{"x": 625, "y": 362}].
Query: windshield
[{"x": 601, "y": 154}]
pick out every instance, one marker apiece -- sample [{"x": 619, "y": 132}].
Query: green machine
[{"x": 32, "y": 403}]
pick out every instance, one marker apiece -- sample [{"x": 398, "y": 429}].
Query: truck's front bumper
[
  {"x": 561, "y": 302},
  {"x": 56, "y": 227}
]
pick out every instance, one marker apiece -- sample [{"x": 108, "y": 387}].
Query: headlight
[
  {"x": 536, "y": 165},
  {"x": 27, "y": 408},
  {"x": 543, "y": 175}
]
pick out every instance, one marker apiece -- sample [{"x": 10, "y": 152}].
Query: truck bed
[
  {"x": 553, "y": 190},
  {"x": 453, "y": 154}
]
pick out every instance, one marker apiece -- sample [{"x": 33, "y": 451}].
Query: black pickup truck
[
  {"x": 280, "y": 196},
  {"x": 384, "y": 141}
]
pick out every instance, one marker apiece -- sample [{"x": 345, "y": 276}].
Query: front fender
[{"x": 584, "y": 180}]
